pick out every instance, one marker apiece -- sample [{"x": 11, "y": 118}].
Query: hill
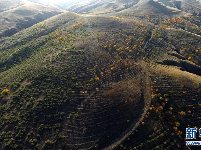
[
  {"x": 23, "y": 14},
  {"x": 8, "y": 4},
  {"x": 108, "y": 7},
  {"x": 63, "y": 55},
  {"x": 97, "y": 7},
  {"x": 193, "y": 7}
]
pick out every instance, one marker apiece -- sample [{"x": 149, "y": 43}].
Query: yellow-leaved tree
[{"x": 5, "y": 92}]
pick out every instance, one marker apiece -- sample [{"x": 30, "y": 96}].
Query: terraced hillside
[{"x": 78, "y": 82}]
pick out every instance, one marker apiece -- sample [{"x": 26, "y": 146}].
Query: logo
[{"x": 191, "y": 134}]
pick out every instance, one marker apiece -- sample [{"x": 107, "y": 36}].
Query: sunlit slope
[
  {"x": 162, "y": 7},
  {"x": 148, "y": 7},
  {"x": 23, "y": 15}
]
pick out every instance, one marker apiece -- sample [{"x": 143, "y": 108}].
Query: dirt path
[
  {"x": 147, "y": 101},
  {"x": 149, "y": 39}
]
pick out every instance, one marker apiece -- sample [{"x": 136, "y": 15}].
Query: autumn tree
[{"x": 5, "y": 92}]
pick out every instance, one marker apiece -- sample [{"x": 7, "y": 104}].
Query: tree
[{"x": 5, "y": 92}]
